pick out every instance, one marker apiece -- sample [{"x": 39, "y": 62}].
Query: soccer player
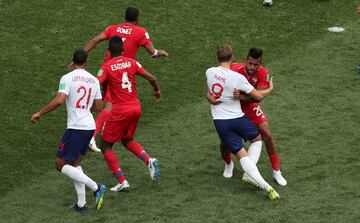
[
  {"x": 133, "y": 37},
  {"x": 119, "y": 73},
  {"x": 80, "y": 90},
  {"x": 230, "y": 122},
  {"x": 258, "y": 76}
]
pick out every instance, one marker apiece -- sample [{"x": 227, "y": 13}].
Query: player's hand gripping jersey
[
  {"x": 222, "y": 82},
  {"x": 132, "y": 36},
  {"x": 260, "y": 79}
]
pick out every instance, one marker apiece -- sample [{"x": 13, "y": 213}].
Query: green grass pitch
[{"x": 313, "y": 112}]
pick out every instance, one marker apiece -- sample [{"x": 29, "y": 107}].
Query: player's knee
[
  {"x": 257, "y": 138},
  {"x": 59, "y": 165},
  {"x": 126, "y": 141}
]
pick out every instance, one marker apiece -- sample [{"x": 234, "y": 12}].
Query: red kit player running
[
  {"x": 133, "y": 37},
  {"x": 119, "y": 73}
]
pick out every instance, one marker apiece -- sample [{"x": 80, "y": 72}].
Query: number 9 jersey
[
  {"x": 81, "y": 89},
  {"x": 222, "y": 82}
]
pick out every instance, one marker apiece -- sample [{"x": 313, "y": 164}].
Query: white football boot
[
  {"x": 228, "y": 171},
  {"x": 267, "y": 3},
  {"x": 121, "y": 187},
  {"x": 153, "y": 167},
  {"x": 279, "y": 178},
  {"x": 93, "y": 146}
]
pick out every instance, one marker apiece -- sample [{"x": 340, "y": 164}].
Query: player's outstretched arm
[
  {"x": 260, "y": 94},
  {"x": 152, "y": 80},
  {"x": 94, "y": 41},
  {"x": 54, "y": 104},
  {"x": 154, "y": 53}
]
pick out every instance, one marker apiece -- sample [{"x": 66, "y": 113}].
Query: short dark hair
[
  {"x": 131, "y": 14},
  {"x": 79, "y": 57},
  {"x": 224, "y": 52},
  {"x": 116, "y": 45},
  {"x": 255, "y": 53}
]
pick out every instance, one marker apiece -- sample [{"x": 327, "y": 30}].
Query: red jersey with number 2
[
  {"x": 119, "y": 73},
  {"x": 133, "y": 37},
  {"x": 259, "y": 80}
]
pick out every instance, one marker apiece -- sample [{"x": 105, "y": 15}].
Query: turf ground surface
[{"x": 313, "y": 112}]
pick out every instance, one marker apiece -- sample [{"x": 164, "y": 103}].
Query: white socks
[
  {"x": 250, "y": 169},
  {"x": 80, "y": 191},
  {"x": 254, "y": 151},
  {"x": 77, "y": 175}
]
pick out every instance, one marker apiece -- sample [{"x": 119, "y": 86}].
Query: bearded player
[
  {"x": 119, "y": 72},
  {"x": 133, "y": 36}
]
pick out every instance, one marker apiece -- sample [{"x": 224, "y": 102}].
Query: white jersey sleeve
[
  {"x": 243, "y": 85},
  {"x": 64, "y": 85}
]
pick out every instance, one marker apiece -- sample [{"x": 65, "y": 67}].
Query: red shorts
[
  {"x": 255, "y": 114},
  {"x": 121, "y": 124}
]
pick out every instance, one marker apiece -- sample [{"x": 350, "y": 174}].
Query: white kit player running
[
  {"x": 229, "y": 120},
  {"x": 80, "y": 90}
]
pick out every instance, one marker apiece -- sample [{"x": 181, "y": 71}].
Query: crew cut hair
[
  {"x": 116, "y": 45},
  {"x": 79, "y": 57},
  {"x": 224, "y": 52},
  {"x": 131, "y": 14},
  {"x": 255, "y": 53}
]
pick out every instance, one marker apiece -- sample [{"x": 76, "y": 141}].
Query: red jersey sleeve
[
  {"x": 263, "y": 78},
  {"x": 102, "y": 75},
  {"x": 108, "y": 32},
  {"x": 139, "y": 68},
  {"x": 145, "y": 38}
]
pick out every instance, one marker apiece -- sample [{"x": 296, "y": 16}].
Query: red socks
[
  {"x": 274, "y": 159},
  {"x": 139, "y": 151},
  {"x": 114, "y": 166},
  {"x": 100, "y": 120}
]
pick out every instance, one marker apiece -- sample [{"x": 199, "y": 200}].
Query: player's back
[
  {"x": 81, "y": 88},
  {"x": 222, "y": 82},
  {"x": 133, "y": 37},
  {"x": 120, "y": 76}
]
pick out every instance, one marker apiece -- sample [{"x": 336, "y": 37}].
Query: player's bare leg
[
  {"x": 251, "y": 170},
  {"x": 229, "y": 165},
  {"x": 99, "y": 122},
  {"x": 114, "y": 166},
  {"x": 138, "y": 150},
  {"x": 272, "y": 152}
]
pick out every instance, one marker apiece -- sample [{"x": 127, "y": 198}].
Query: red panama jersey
[
  {"x": 133, "y": 37},
  {"x": 260, "y": 79},
  {"x": 119, "y": 74}
]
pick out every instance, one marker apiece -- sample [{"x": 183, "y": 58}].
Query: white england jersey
[
  {"x": 222, "y": 82},
  {"x": 81, "y": 89}
]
